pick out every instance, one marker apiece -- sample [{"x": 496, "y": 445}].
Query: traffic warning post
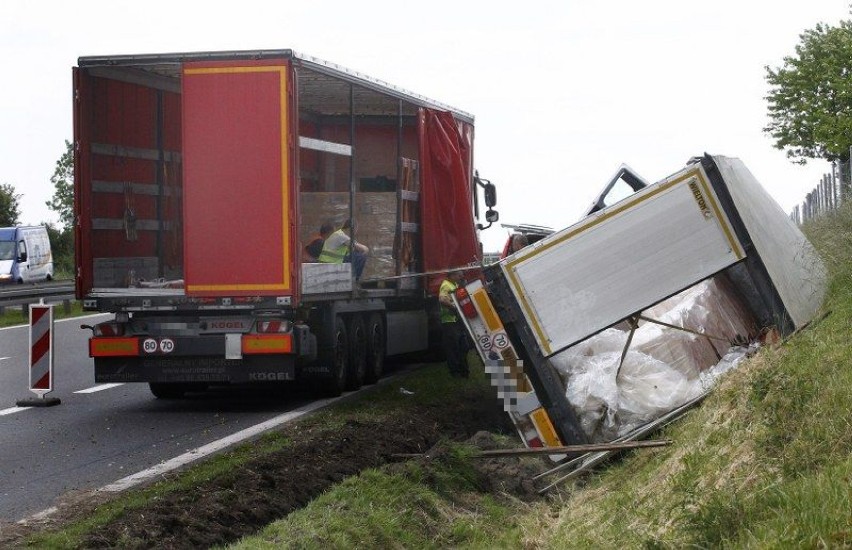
[{"x": 41, "y": 357}]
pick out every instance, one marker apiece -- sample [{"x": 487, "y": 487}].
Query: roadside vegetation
[{"x": 765, "y": 461}]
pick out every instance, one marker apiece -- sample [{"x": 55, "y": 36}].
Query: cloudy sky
[{"x": 563, "y": 92}]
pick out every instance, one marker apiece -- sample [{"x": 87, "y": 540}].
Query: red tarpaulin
[{"x": 446, "y": 151}]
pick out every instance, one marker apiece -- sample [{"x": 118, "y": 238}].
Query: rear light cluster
[
  {"x": 275, "y": 326},
  {"x": 465, "y": 303},
  {"x": 109, "y": 329}
]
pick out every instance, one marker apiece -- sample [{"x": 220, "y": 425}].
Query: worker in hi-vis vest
[
  {"x": 335, "y": 250},
  {"x": 453, "y": 336}
]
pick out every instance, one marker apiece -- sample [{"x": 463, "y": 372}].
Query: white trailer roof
[{"x": 796, "y": 271}]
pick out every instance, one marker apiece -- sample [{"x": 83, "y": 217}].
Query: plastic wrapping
[{"x": 663, "y": 368}]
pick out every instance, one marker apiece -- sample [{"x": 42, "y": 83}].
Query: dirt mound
[{"x": 269, "y": 488}]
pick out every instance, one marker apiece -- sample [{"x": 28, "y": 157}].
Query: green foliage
[
  {"x": 810, "y": 99},
  {"x": 62, "y": 179},
  {"x": 62, "y": 247},
  {"x": 10, "y": 208},
  {"x": 62, "y": 202}
]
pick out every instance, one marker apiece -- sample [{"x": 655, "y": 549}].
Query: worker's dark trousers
[
  {"x": 454, "y": 340},
  {"x": 358, "y": 260}
]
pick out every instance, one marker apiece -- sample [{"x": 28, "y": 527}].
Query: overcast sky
[{"x": 563, "y": 92}]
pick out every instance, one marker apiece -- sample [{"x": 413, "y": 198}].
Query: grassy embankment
[{"x": 765, "y": 461}]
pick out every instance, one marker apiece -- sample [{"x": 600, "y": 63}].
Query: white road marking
[
  {"x": 100, "y": 387},
  {"x": 210, "y": 448},
  {"x": 2, "y": 358},
  {"x": 13, "y": 410}
]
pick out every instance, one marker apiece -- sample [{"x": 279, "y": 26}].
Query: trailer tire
[
  {"x": 337, "y": 358},
  {"x": 375, "y": 348},
  {"x": 357, "y": 352}
]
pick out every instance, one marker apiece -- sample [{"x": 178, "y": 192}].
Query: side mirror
[
  {"x": 22, "y": 257},
  {"x": 491, "y": 216},
  {"x": 490, "y": 195}
]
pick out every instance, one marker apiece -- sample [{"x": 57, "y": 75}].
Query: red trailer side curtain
[{"x": 446, "y": 156}]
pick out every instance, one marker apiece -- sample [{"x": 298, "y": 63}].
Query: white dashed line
[
  {"x": 101, "y": 387},
  {"x": 13, "y": 410}
]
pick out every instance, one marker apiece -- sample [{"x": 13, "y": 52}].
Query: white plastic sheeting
[{"x": 663, "y": 368}]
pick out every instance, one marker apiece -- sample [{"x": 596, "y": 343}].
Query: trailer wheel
[
  {"x": 357, "y": 352},
  {"x": 375, "y": 348},
  {"x": 337, "y": 357},
  {"x": 162, "y": 390}
]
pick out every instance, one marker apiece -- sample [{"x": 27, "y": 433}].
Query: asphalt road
[{"x": 99, "y": 435}]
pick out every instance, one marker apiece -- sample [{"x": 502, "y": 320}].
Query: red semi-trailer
[{"x": 199, "y": 179}]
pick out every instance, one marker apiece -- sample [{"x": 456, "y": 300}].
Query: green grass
[{"x": 410, "y": 506}]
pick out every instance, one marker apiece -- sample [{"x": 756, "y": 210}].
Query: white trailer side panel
[
  {"x": 791, "y": 261},
  {"x": 622, "y": 259}
]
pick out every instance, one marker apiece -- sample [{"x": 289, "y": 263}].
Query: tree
[
  {"x": 810, "y": 99},
  {"x": 10, "y": 207},
  {"x": 62, "y": 179},
  {"x": 62, "y": 247}
]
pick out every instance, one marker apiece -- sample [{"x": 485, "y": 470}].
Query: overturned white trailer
[{"x": 599, "y": 329}]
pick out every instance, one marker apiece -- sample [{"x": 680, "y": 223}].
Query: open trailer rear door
[{"x": 238, "y": 185}]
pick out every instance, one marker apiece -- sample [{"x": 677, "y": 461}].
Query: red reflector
[{"x": 465, "y": 303}]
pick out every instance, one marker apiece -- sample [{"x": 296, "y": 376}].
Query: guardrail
[{"x": 24, "y": 295}]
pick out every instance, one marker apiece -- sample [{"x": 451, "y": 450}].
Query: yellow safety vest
[
  {"x": 333, "y": 255},
  {"x": 448, "y": 315}
]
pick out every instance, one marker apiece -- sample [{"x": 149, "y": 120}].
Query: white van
[{"x": 25, "y": 254}]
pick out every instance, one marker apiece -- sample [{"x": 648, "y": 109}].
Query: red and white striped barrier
[{"x": 41, "y": 356}]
